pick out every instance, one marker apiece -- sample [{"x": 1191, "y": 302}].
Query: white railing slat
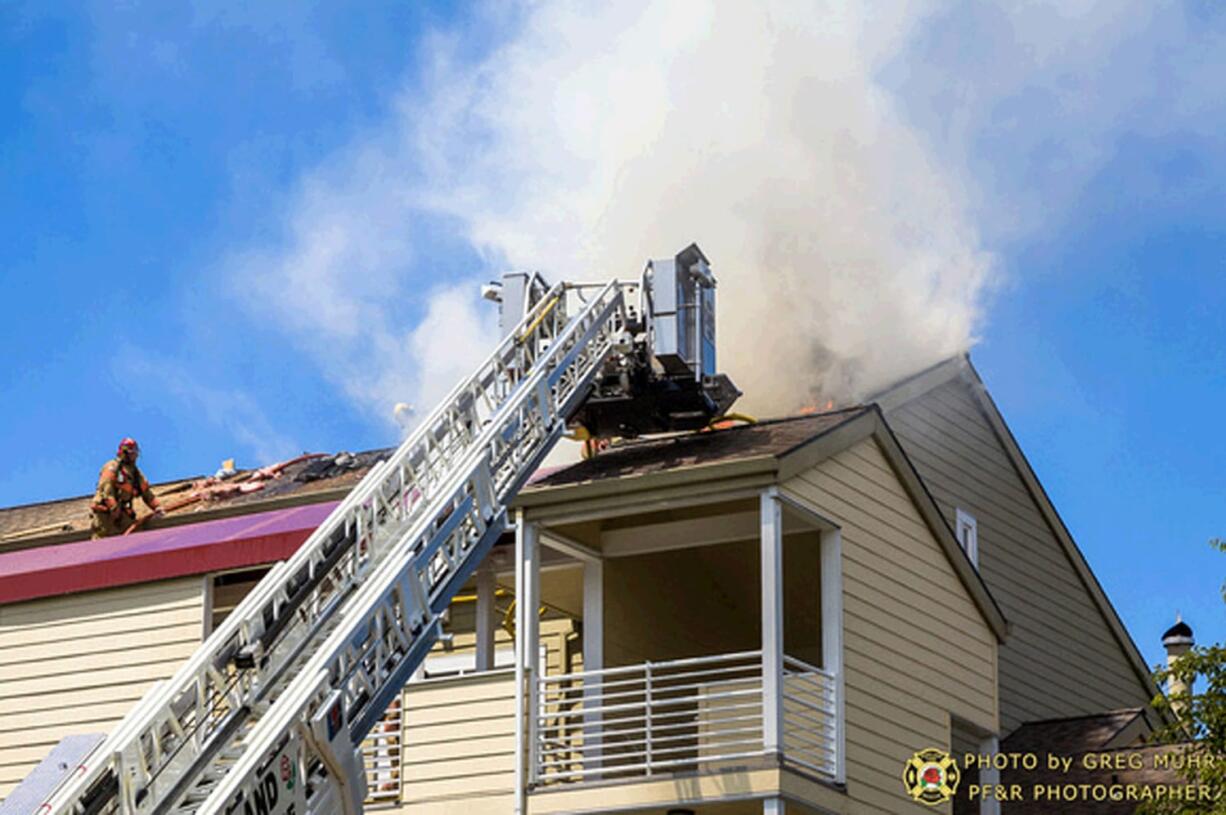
[{"x": 655, "y": 717}]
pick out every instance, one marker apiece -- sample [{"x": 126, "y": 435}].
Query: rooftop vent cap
[{"x": 1178, "y": 634}]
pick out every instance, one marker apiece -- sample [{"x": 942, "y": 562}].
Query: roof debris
[
  {"x": 68, "y": 519},
  {"x": 37, "y": 530},
  {"x": 248, "y": 490},
  {"x": 341, "y": 463}
]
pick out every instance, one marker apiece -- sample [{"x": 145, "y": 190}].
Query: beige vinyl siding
[
  {"x": 1061, "y": 658},
  {"x": 77, "y": 663},
  {"x": 459, "y": 733},
  {"x": 459, "y": 744},
  {"x": 916, "y": 648}
]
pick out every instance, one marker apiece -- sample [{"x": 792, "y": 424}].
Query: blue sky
[{"x": 249, "y": 231}]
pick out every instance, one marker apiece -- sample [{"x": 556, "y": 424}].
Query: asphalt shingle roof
[
  {"x": 1079, "y": 734},
  {"x": 774, "y": 437}
]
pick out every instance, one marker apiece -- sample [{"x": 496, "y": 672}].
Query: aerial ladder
[{"x": 269, "y": 714}]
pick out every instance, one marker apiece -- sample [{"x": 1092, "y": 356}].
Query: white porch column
[
  {"x": 832, "y": 639},
  {"x": 988, "y": 805},
  {"x": 527, "y": 649},
  {"x": 773, "y": 806},
  {"x": 593, "y": 658},
  {"x": 485, "y": 616},
  {"x": 771, "y": 515}
]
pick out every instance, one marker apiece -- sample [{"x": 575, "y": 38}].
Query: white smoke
[
  {"x": 613, "y": 134},
  {"x": 845, "y": 239},
  {"x": 338, "y": 285}
]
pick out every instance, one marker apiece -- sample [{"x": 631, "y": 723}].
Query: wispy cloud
[
  {"x": 846, "y": 225},
  {"x": 229, "y": 410},
  {"x": 345, "y": 277},
  {"x": 1029, "y": 101}
]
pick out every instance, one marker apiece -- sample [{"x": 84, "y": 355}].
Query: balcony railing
[
  {"x": 810, "y": 727},
  {"x": 383, "y": 758},
  {"x": 685, "y": 715}
]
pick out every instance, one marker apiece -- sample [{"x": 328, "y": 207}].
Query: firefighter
[{"x": 118, "y": 485}]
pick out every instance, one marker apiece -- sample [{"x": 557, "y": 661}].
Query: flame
[{"x": 810, "y": 410}]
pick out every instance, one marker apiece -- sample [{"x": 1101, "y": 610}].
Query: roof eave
[
  {"x": 872, "y": 424},
  {"x": 939, "y": 526},
  {"x": 961, "y": 367},
  {"x": 772, "y": 469},
  {"x": 540, "y": 496},
  {"x": 918, "y": 384}
]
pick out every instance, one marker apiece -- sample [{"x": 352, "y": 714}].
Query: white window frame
[{"x": 966, "y": 530}]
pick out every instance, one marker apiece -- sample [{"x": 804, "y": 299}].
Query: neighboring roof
[
  {"x": 1133, "y": 768},
  {"x": 1120, "y": 759},
  {"x": 960, "y": 366},
  {"x": 303, "y": 481},
  {"x": 773, "y": 437},
  {"x": 1078, "y": 734},
  {"x": 159, "y": 554},
  {"x": 778, "y": 449}
]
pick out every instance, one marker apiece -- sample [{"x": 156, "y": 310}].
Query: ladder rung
[{"x": 422, "y": 512}]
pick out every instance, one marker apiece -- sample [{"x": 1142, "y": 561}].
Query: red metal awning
[{"x": 158, "y": 554}]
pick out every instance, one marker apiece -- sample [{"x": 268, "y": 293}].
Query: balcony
[
  {"x": 684, "y": 716},
  {"x": 653, "y": 670},
  {"x": 383, "y": 758}
]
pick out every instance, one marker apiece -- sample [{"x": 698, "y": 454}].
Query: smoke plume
[
  {"x": 602, "y": 139},
  {"x": 847, "y": 244}
]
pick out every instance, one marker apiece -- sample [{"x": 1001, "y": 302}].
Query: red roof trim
[{"x": 158, "y": 554}]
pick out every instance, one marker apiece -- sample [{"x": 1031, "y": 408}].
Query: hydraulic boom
[{"x": 269, "y": 714}]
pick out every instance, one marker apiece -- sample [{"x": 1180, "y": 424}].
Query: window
[
  {"x": 968, "y": 535},
  {"x": 226, "y": 591}
]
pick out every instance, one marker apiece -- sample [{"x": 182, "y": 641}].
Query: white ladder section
[{"x": 269, "y": 714}]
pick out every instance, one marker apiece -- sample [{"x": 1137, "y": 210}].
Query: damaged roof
[
  {"x": 307, "y": 479},
  {"x": 324, "y": 477}
]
